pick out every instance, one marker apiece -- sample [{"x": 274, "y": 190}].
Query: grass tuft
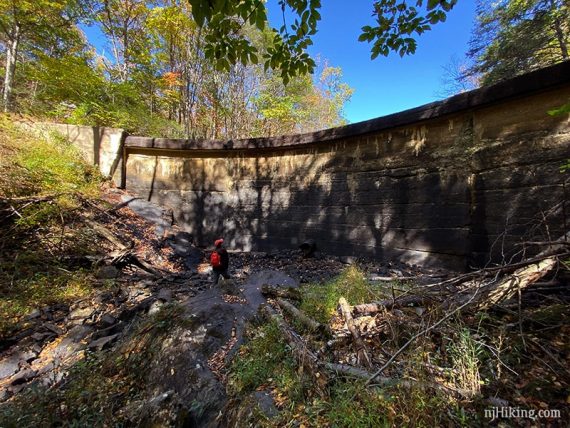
[{"x": 321, "y": 300}]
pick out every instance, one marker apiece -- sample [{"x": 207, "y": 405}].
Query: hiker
[{"x": 220, "y": 261}]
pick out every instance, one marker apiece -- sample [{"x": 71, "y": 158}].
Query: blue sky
[
  {"x": 384, "y": 85},
  {"x": 392, "y": 84}
]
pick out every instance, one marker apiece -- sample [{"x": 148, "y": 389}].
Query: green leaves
[
  {"x": 398, "y": 23},
  {"x": 224, "y": 23},
  {"x": 516, "y": 37}
]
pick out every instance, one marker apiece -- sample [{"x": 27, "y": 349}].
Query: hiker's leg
[
  {"x": 225, "y": 274},
  {"x": 215, "y": 276}
]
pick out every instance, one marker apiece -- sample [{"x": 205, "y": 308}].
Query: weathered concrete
[
  {"x": 100, "y": 146},
  {"x": 447, "y": 183}
]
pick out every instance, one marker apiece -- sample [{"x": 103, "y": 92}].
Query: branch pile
[{"x": 372, "y": 341}]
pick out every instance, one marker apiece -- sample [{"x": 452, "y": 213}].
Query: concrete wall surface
[
  {"x": 100, "y": 146},
  {"x": 454, "y": 183}
]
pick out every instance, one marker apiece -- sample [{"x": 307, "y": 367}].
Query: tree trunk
[
  {"x": 559, "y": 32},
  {"x": 304, "y": 356},
  {"x": 11, "y": 56}
]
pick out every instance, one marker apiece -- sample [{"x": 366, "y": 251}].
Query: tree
[
  {"x": 513, "y": 37},
  {"x": 123, "y": 22},
  {"x": 23, "y": 21},
  {"x": 223, "y": 20},
  {"x": 302, "y": 105}
]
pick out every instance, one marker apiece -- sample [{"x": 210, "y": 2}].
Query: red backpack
[{"x": 216, "y": 260}]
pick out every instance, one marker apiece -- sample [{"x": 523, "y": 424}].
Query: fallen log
[
  {"x": 106, "y": 233},
  {"x": 313, "y": 325},
  {"x": 392, "y": 278},
  {"x": 382, "y": 381},
  {"x": 484, "y": 296},
  {"x": 304, "y": 356},
  {"x": 284, "y": 292},
  {"x": 362, "y": 353},
  {"x": 398, "y": 302}
]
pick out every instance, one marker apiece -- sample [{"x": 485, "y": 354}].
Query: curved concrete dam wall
[{"x": 450, "y": 183}]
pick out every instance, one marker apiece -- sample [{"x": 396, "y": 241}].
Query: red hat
[{"x": 218, "y": 242}]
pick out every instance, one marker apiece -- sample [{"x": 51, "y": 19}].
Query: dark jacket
[{"x": 225, "y": 259}]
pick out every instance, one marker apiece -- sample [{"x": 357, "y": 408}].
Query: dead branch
[
  {"x": 303, "y": 318},
  {"x": 127, "y": 257},
  {"x": 414, "y": 300},
  {"x": 355, "y": 372},
  {"x": 284, "y": 292},
  {"x": 106, "y": 233},
  {"x": 305, "y": 357},
  {"x": 496, "y": 291},
  {"x": 421, "y": 333},
  {"x": 361, "y": 347},
  {"x": 392, "y": 278}
]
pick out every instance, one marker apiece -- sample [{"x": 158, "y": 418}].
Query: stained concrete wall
[
  {"x": 100, "y": 146},
  {"x": 450, "y": 183},
  {"x": 454, "y": 183}
]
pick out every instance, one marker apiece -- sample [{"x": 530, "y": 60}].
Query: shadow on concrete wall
[
  {"x": 343, "y": 214},
  {"x": 436, "y": 218}
]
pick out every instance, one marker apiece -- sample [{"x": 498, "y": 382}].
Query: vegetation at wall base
[
  {"x": 477, "y": 353},
  {"x": 44, "y": 186}
]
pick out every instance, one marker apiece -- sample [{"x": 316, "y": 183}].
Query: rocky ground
[{"x": 52, "y": 339}]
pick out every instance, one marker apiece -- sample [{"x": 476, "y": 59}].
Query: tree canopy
[
  {"x": 513, "y": 37},
  {"x": 156, "y": 77},
  {"x": 397, "y": 23}
]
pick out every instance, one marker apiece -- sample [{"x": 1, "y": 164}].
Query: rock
[
  {"x": 398, "y": 313},
  {"x": 161, "y": 217},
  {"x": 103, "y": 342},
  {"x": 9, "y": 366},
  {"x": 348, "y": 260},
  {"x": 155, "y": 307},
  {"x": 265, "y": 403},
  {"x": 498, "y": 402},
  {"x": 81, "y": 313},
  {"x": 137, "y": 293},
  {"x": 28, "y": 356},
  {"x": 4, "y": 394},
  {"x": 53, "y": 328},
  {"x": 23, "y": 376},
  {"x": 46, "y": 368},
  {"x": 107, "y": 320},
  {"x": 103, "y": 297},
  {"x": 33, "y": 315},
  {"x": 107, "y": 272},
  {"x": 420, "y": 311},
  {"x": 40, "y": 336},
  {"x": 115, "y": 328},
  {"x": 78, "y": 333},
  {"x": 23, "y": 334},
  {"x": 165, "y": 295}
]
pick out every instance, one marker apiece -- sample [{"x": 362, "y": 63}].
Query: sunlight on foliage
[{"x": 321, "y": 300}]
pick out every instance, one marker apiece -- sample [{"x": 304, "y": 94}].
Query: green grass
[
  {"x": 264, "y": 357},
  {"x": 36, "y": 166},
  {"x": 321, "y": 300},
  {"x": 40, "y": 290},
  {"x": 43, "y": 186},
  {"x": 266, "y": 362}
]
